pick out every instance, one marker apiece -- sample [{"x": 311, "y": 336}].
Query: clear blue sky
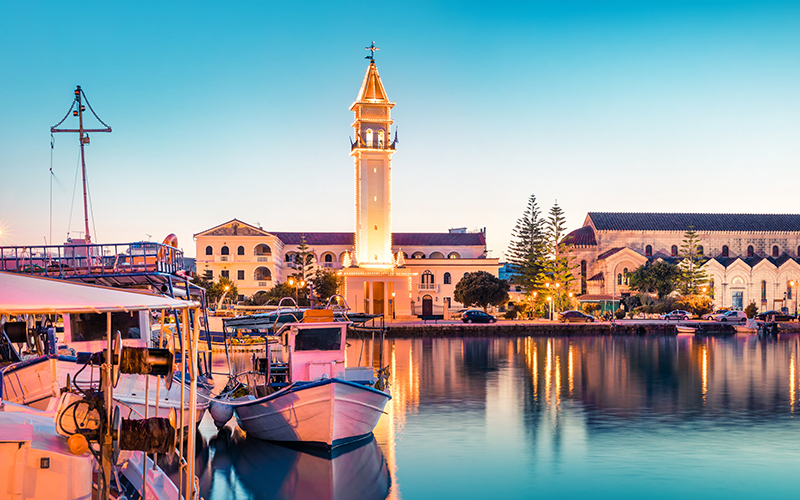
[{"x": 226, "y": 110}]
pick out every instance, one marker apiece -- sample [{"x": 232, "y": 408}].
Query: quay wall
[{"x": 559, "y": 329}]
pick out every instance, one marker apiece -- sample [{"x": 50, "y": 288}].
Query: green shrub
[
  {"x": 510, "y": 314},
  {"x": 619, "y": 314},
  {"x": 751, "y": 310}
]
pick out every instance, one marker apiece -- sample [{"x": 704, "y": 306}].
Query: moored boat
[{"x": 304, "y": 393}]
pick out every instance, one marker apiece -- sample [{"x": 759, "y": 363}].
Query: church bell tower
[{"x": 372, "y": 152}]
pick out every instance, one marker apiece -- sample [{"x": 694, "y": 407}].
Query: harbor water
[{"x": 589, "y": 417}]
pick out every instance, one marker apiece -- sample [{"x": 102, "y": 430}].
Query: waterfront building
[
  {"x": 748, "y": 257},
  {"x": 400, "y": 274}
]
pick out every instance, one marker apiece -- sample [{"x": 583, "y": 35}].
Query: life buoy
[{"x": 166, "y": 254}]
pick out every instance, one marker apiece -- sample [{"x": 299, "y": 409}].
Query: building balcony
[
  {"x": 428, "y": 287},
  {"x": 263, "y": 258},
  {"x": 264, "y": 282},
  {"x": 223, "y": 258}
]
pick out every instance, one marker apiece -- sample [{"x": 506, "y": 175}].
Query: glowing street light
[
  {"x": 219, "y": 302},
  {"x": 296, "y": 283}
]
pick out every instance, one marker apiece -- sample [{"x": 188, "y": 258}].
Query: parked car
[
  {"x": 716, "y": 315},
  {"x": 476, "y": 316},
  {"x": 574, "y": 317},
  {"x": 733, "y": 317},
  {"x": 775, "y": 316},
  {"x": 677, "y": 314}
]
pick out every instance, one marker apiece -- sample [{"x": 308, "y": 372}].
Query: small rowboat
[{"x": 685, "y": 329}]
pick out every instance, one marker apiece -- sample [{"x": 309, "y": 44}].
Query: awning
[{"x": 24, "y": 294}]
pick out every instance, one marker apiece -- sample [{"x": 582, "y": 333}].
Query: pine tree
[
  {"x": 560, "y": 261},
  {"x": 692, "y": 277},
  {"x": 304, "y": 260},
  {"x": 526, "y": 253}
]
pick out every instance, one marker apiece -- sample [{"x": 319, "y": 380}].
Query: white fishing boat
[
  {"x": 305, "y": 393},
  {"x": 108, "y": 451},
  {"x": 686, "y": 330}
]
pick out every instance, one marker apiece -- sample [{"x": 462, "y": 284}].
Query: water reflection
[
  {"x": 599, "y": 417},
  {"x": 255, "y": 469}
]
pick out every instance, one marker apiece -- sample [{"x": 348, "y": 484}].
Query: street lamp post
[
  {"x": 793, "y": 283},
  {"x": 393, "y": 299},
  {"x": 219, "y": 302},
  {"x": 551, "y": 298},
  {"x": 293, "y": 283}
]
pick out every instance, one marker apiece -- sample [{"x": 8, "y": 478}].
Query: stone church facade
[{"x": 749, "y": 257}]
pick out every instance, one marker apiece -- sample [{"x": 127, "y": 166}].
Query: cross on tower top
[{"x": 372, "y": 48}]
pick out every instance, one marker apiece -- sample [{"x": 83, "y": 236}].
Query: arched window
[
  {"x": 380, "y": 138},
  {"x": 699, "y": 249},
  {"x": 619, "y": 279},
  {"x": 328, "y": 257},
  {"x": 263, "y": 249},
  {"x": 798, "y": 251},
  {"x": 262, "y": 274},
  {"x": 583, "y": 277},
  {"x": 427, "y": 277},
  {"x": 724, "y": 250},
  {"x": 674, "y": 250},
  {"x": 775, "y": 250},
  {"x": 224, "y": 251},
  {"x": 750, "y": 252},
  {"x": 447, "y": 279},
  {"x": 240, "y": 250},
  {"x": 209, "y": 250},
  {"x": 369, "y": 137},
  {"x": 436, "y": 255},
  {"x": 648, "y": 251},
  {"x": 763, "y": 291},
  {"x": 418, "y": 255},
  {"x": 625, "y": 276},
  {"x": 455, "y": 255},
  {"x": 789, "y": 289}
]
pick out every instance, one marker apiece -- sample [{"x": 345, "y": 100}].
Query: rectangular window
[
  {"x": 90, "y": 327},
  {"x": 239, "y": 275},
  {"x": 225, "y": 274},
  {"x": 738, "y": 301},
  {"x": 209, "y": 275},
  {"x": 318, "y": 339}
]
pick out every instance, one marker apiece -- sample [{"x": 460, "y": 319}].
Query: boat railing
[{"x": 78, "y": 260}]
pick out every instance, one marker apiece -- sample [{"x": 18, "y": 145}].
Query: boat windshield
[
  {"x": 91, "y": 327},
  {"x": 318, "y": 339}
]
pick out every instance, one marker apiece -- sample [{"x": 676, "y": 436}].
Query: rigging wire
[
  {"x": 74, "y": 188},
  {"x": 92, "y": 110},
  {"x": 91, "y": 208}
]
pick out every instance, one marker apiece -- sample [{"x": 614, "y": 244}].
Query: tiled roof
[
  {"x": 438, "y": 239},
  {"x": 398, "y": 239},
  {"x": 316, "y": 238},
  {"x": 630, "y": 221},
  {"x": 609, "y": 253},
  {"x": 583, "y": 236}
]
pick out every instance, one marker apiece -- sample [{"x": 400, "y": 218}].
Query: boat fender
[{"x": 220, "y": 412}]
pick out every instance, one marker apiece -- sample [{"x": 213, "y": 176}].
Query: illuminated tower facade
[{"x": 372, "y": 152}]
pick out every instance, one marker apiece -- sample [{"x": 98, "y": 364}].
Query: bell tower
[{"x": 372, "y": 153}]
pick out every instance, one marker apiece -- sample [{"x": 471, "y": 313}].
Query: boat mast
[{"x": 77, "y": 110}]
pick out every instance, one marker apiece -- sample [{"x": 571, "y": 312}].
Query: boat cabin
[
  {"x": 316, "y": 350},
  {"x": 86, "y": 332}
]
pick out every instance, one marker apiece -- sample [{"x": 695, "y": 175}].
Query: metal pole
[{"x": 83, "y": 164}]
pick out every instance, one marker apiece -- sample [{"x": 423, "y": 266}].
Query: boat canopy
[{"x": 23, "y": 294}]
